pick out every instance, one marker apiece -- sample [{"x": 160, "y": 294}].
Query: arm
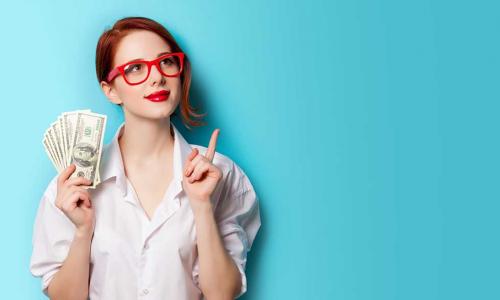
[
  {"x": 221, "y": 274},
  {"x": 62, "y": 236},
  {"x": 219, "y": 277},
  {"x": 72, "y": 280}
]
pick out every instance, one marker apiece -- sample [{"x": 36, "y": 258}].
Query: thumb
[
  {"x": 193, "y": 154},
  {"x": 66, "y": 173}
]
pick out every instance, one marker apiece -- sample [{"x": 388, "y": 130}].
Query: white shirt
[{"x": 133, "y": 257}]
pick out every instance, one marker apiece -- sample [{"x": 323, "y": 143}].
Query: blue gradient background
[{"x": 369, "y": 128}]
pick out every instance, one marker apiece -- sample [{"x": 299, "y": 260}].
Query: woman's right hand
[{"x": 74, "y": 200}]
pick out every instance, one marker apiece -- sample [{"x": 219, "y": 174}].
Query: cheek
[
  {"x": 175, "y": 86},
  {"x": 132, "y": 95}
]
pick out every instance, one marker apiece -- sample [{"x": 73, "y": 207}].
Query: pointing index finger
[{"x": 211, "y": 146}]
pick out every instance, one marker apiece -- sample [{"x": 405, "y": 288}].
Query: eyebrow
[{"x": 137, "y": 59}]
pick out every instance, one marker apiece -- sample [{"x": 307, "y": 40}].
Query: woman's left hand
[{"x": 200, "y": 176}]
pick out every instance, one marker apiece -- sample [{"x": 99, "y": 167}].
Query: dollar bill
[
  {"x": 57, "y": 140},
  {"x": 53, "y": 144},
  {"x": 77, "y": 137},
  {"x": 62, "y": 138},
  {"x": 48, "y": 149},
  {"x": 87, "y": 145},
  {"x": 69, "y": 121}
]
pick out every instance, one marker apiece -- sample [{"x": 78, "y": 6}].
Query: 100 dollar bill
[{"x": 86, "y": 146}]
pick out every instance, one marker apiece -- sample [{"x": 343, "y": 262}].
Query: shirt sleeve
[
  {"x": 238, "y": 218},
  {"x": 53, "y": 233}
]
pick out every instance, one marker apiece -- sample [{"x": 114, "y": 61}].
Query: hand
[
  {"x": 74, "y": 200},
  {"x": 201, "y": 176}
]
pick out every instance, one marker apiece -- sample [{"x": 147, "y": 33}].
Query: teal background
[{"x": 369, "y": 128}]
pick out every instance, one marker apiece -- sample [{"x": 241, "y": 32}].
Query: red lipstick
[{"x": 158, "y": 96}]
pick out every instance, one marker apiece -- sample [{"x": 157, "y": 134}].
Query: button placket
[{"x": 143, "y": 293}]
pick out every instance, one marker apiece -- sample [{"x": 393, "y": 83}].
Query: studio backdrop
[{"x": 369, "y": 129}]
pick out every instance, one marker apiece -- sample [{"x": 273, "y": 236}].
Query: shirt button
[{"x": 145, "y": 291}]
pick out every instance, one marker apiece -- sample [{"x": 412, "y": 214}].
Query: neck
[{"x": 145, "y": 140}]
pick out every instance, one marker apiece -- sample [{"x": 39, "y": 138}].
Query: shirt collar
[{"x": 112, "y": 162}]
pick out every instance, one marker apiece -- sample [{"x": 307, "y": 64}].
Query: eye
[
  {"x": 133, "y": 68},
  {"x": 168, "y": 61}
]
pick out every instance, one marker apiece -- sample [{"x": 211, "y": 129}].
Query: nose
[{"x": 156, "y": 76}]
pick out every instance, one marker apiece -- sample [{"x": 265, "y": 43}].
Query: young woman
[{"x": 169, "y": 220}]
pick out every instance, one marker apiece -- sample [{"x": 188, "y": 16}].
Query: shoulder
[
  {"x": 47, "y": 212},
  {"x": 50, "y": 192}
]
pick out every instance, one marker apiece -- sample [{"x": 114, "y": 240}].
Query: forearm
[
  {"x": 72, "y": 279},
  {"x": 218, "y": 276}
]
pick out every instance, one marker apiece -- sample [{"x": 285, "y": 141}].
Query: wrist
[
  {"x": 84, "y": 233},
  {"x": 201, "y": 206}
]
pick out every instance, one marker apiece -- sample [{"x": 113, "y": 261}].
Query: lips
[{"x": 158, "y": 96}]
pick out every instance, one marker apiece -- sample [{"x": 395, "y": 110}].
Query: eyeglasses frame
[{"x": 120, "y": 70}]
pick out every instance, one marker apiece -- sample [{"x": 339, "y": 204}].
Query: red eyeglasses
[{"x": 136, "y": 72}]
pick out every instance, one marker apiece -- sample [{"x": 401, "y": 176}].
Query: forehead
[{"x": 140, "y": 44}]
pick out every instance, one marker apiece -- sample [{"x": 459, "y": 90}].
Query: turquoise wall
[{"x": 369, "y": 128}]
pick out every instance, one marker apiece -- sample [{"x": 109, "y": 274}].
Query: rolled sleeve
[
  {"x": 237, "y": 242},
  {"x": 53, "y": 233},
  {"x": 238, "y": 218}
]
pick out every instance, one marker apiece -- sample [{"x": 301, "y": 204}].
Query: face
[
  {"x": 142, "y": 44},
  {"x": 84, "y": 155}
]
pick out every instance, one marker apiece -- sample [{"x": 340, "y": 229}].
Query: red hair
[{"x": 106, "y": 50}]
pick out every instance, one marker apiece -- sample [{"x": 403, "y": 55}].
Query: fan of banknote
[{"x": 77, "y": 137}]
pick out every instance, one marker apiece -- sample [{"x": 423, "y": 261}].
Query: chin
[
  {"x": 160, "y": 113},
  {"x": 156, "y": 115}
]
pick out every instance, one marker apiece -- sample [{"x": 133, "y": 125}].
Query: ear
[{"x": 110, "y": 93}]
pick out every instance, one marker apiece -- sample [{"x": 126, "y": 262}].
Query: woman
[{"x": 169, "y": 220}]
